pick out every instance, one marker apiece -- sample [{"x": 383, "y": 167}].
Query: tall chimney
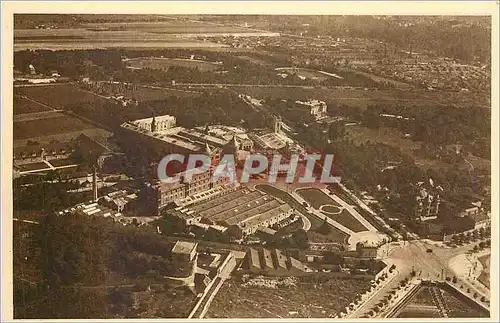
[{"x": 94, "y": 184}]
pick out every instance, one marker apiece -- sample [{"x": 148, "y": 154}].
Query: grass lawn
[
  {"x": 316, "y": 198},
  {"x": 347, "y": 220},
  {"x": 310, "y": 298},
  {"x": 331, "y": 209}
]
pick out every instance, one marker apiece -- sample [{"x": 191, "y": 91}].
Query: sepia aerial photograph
[{"x": 251, "y": 166}]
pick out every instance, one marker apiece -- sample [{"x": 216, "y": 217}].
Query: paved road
[{"x": 428, "y": 265}]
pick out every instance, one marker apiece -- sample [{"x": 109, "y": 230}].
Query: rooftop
[
  {"x": 89, "y": 209},
  {"x": 184, "y": 247}
]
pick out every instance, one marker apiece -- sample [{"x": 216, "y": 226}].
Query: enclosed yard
[
  {"x": 60, "y": 162},
  {"x": 32, "y": 166},
  {"x": 45, "y": 127},
  {"x": 308, "y": 297}
]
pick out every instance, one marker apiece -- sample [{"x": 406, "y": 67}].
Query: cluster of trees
[
  {"x": 360, "y": 166},
  {"x": 437, "y": 125},
  {"x": 217, "y": 107},
  {"x": 296, "y": 240},
  {"x": 45, "y": 196},
  {"x": 69, "y": 251},
  {"x": 107, "y": 64},
  {"x": 73, "y": 256}
]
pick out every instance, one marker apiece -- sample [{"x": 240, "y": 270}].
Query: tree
[
  {"x": 336, "y": 131},
  {"x": 454, "y": 280},
  {"x": 324, "y": 228},
  {"x": 172, "y": 224},
  {"x": 300, "y": 239},
  {"x": 74, "y": 249}
]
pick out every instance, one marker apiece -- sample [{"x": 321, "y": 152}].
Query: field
[
  {"x": 316, "y": 198},
  {"x": 165, "y": 63},
  {"x": 23, "y": 105},
  {"x": 363, "y": 98},
  {"x": 168, "y": 27},
  {"x": 59, "y": 96},
  {"x": 254, "y": 60},
  {"x": 144, "y": 94},
  {"x": 310, "y": 298},
  {"x": 44, "y": 127},
  {"x": 376, "y": 78},
  {"x": 166, "y": 34},
  {"x": 304, "y": 72},
  {"x": 484, "y": 278}
]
